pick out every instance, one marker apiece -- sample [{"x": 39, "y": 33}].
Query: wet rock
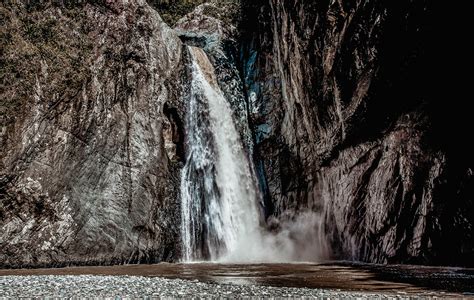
[
  {"x": 214, "y": 27},
  {"x": 348, "y": 124}
]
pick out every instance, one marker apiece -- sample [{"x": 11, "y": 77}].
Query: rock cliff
[
  {"x": 348, "y": 124},
  {"x": 90, "y": 134},
  {"x": 340, "y": 104}
]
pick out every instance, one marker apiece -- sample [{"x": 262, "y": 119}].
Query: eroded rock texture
[
  {"x": 90, "y": 140},
  {"x": 344, "y": 105},
  {"x": 348, "y": 123}
]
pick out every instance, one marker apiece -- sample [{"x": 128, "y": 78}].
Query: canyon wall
[
  {"x": 90, "y": 155},
  {"x": 350, "y": 121},
  {"x": 348, "y": 109}
]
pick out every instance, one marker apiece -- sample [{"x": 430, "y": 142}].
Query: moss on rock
[
  {"x": 173, "y": 10},
  {"x": 40, "y": 43}
]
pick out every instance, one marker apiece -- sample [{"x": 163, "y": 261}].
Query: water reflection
[{"x": 333, "y": 275}]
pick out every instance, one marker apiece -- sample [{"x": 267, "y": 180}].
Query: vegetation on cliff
[
  {"x": 173, "y": 10},
  {"x": 42, "y": 44}
]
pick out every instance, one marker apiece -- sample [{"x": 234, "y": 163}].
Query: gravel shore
[{"x": 153, "y": 287}]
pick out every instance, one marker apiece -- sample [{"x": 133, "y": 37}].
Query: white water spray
[{"x": 220, "y": 213}]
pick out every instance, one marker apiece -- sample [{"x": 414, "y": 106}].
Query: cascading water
[
  {"x": 220, "y": 217},
  {"x": 219, "y": 196}
]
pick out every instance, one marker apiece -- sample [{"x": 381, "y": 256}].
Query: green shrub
[{"x": 173, "y": 10}]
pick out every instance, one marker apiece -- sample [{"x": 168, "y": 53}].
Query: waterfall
[
  {"x": 220, "y": 217},
  {"x": 219, "y": 195}
]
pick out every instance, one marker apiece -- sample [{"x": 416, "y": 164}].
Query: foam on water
[{"x": 221, "y": 219}]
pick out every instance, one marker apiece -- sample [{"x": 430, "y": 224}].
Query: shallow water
[{"x": 341, "y": 276}]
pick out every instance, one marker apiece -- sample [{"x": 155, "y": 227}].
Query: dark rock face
[
  {"x": 90, "y": 164},
  {"x": 343, "y": 107},
  {"x": 347, "y": 123}
]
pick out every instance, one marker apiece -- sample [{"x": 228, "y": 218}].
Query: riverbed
[{"x": 333, "y": 280}]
